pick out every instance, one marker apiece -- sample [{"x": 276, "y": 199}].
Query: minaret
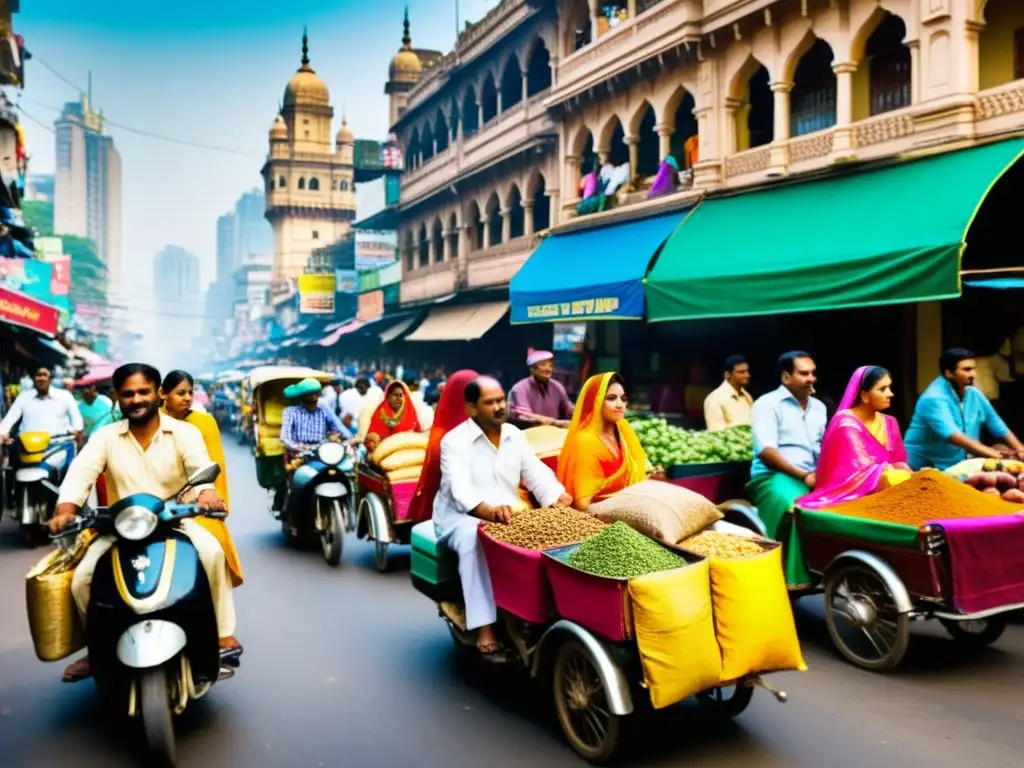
[{"x": 403, "y": 74}]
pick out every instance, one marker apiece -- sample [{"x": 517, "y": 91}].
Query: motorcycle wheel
[
  {"x": 332, "y": 536},
  {"x": 157, "y": 722}
]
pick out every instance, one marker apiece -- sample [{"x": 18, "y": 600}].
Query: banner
[
  {"x": 19, "y": 309},
  {"x": 29, "y": 276},
  {"x": 316, "y": 294},
  {"x": 370, "y": 307},
  {"x": 347, "y": 280}
]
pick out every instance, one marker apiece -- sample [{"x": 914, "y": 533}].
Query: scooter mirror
[{"x": 205, "y": 475}]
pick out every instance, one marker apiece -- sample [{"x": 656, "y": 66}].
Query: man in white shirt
[
  {"x": 483, "y": 461},
  {"x": 329, "y": 396},
  {"x": 44, "y": 409},
  {"x": 350, "y": 402}
]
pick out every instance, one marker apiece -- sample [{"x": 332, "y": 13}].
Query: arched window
[
  {"x": 511, "y": 83},
  {"x": 541, "y": 207},
  {"x": 490, "y": 99},
  {"x": 516, "y": 214},
  {"x": 343, "y": 186},
  {"x": 813, "y": 101},
  {"x": 282, "y": 182},
  {"x": 470, "y": 113},
  {"x": 538, "y": 71},
  {"x": 424, "y": 247},
  {"x": 302, "y": 183},
  {"x": 648, "y": 149},
  {"x": 314, "y": 184},
  {"x": 889, "y": 66}
]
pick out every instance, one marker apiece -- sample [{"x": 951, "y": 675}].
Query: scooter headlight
[
  {"x": 331, "y": 453},
  {"x": 135, "y": 523}
]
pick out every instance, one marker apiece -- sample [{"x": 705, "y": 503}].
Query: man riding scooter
[
  {"x": 42, "y": 414},
  {"x": 146, "y": 453}
]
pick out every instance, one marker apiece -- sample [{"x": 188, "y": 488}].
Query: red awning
[
  {"x": 98, "y": 372},
  {"x": 18, "y": 309}
]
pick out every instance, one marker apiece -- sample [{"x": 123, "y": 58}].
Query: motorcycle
[
  {"x": 151, "y": 630},
  {"x": 42, "y": 462},
  {"x": 320, "y": 501}
]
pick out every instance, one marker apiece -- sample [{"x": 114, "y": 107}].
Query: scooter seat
[{"x": 424, "y": 539}]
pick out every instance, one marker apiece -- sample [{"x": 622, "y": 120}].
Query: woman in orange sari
[
  {"x": 602, "y": 454},
  {"x": 396, "y": 414}
]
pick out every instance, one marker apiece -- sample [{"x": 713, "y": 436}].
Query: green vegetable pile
[
  {"x": 667, "y": 446},
  {"x": 619, "y": 552}
]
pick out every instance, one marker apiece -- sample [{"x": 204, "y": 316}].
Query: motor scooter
[
  {"x": 320, "y": 499},
  {"x": 151, "y": 630},
  {"x": 42, "y": 461}
]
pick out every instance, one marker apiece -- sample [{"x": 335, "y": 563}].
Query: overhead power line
[{"x": 131, "y": 129}]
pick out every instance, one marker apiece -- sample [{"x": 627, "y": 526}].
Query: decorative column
[
  {"x": 486, "y": 221},
  {"x": 842, "y": 137},
  {"x": 572, "y": 178},
  {"x": 779, "y": 163},
  {"x": 506, "y": 224},
  {"x": 479, "y": 113},
  {"x": 446, "y": 244},
  {"x": 593, "y": 19},
  {"x": 633, "y": 143},
  {"x": 665, "y": 132},
  {"x": 631, "y": 8},
  {"x": 431, "y": 249},
  {"x": 915, "y": 70},
  {"x": 526, "y": 85},
  {"x": 528, "y": 218},
  {"x": 732, "y": 139}
]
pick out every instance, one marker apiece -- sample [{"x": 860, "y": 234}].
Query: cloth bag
[
  {"x": 659, "y": 510},
  {"x": 53, "y": 619}
]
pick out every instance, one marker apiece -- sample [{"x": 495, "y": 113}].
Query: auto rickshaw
[{"x": 265, "y": 386}]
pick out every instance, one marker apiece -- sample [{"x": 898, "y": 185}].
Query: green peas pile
[{"x": 619, "y": 552}]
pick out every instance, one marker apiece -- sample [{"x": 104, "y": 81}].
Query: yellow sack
[
  {"x": 405, "y": 474},
  {"x": 753, "y": 616},
  {"x": 412, "y": 457},
  {"x": 52, "y": 616},
  {"x": 675, "y": 632},
  {"x": 402, "y": 441},
  {"x": 546, "y": 440}
]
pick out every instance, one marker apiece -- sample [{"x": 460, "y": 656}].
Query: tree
[
  {"x": 88, "y": 272},
  {"x": 39, "y": 216}
]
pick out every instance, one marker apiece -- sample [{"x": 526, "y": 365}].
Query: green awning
[{"x": 874, "y": 237}]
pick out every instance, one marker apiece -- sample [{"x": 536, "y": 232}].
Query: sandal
[
  {"x": 77, "y": 671},
  {"x": 493, "y": 653}
]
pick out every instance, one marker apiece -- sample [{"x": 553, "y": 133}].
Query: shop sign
[
  {"x": 28, "y": 276},
  {"x": 316, "y": 293},
  {"x": 347, "y": 280},
  {"x": 19, "y": 309},
  {"x": 370, "y": 307},
  {"x": 606, "y": 306}
]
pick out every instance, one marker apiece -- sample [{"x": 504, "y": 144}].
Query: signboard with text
[
  {"x": 19, "y": 309},
  {"x": 316, "y": 294},
  {"x": 370, "y": 307}
]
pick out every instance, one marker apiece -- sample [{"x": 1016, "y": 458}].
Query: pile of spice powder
[{"x": 927, "y": 495}]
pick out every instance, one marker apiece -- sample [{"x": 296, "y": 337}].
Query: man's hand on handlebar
[
  {"x": 209, "y": 501},
  {"x": 61, "y": 520}
]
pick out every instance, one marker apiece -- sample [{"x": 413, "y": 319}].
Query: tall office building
[
  {"x": 254, "y": 237},
  {"x": 176, "y": 278},
  {"x": 227, "y": 259},
  {"x": 87, "y": 184}
]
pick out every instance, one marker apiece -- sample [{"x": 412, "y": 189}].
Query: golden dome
[
  {"x": 405, "y": 67},
  {"x": 279, "y": 131},
  {"x": 344, "y": 135},
  {"x": 305, "y": 89}
]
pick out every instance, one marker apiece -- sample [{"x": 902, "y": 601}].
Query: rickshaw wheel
[
  {"x": 978, "y": 632},
  {"x": 858, "y": 597},
  {"x": 582, "y": 705},
  {"x": 727, "y": 701},
  {"x": 381, "y": 556}
]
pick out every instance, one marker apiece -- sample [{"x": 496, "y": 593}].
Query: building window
[
  {"x": 344, "y": 186},
  {"x": 302, "y": 183},
  {"x": 1018, "y": 54},
  {"x": 282, "y": 182},
  {"x": 314, "y": 184},
  {"x": 334, "y": 184},
  {"x": 316, "y": 235}
]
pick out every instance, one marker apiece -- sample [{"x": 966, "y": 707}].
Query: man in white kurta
[{"x": 483, "y": 461}]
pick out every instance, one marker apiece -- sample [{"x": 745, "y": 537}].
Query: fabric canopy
[
  {"x": 875, "y": 237},
  {"x": 595, "y": 274},
  {"x": 332, "y": 338},
  {"x": 998, "y": 283},
  {"x": 396, "y": 330},
  {"x": 463, "y": 323}
]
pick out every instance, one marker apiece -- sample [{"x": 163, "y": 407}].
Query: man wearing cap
[
  {"x": 539, "y": 399},
  {"x": 306, "y": 425}
]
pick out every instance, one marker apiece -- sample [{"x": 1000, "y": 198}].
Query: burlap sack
[
  {"x": 402, "y": 441},
  {"x": 411, "y": 457},
  {"x": 658, "y": 509}
]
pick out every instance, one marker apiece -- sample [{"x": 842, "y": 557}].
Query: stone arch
[
  {"x": 792, "y": 60},
  {"x": 814, "y": 95},
  {"x": 314, "y": 184},
  {"x": 469, "y": 111},
  {"x": 489, "y": 96},
  {"x": 603, "y": 139},
  {"x": 511, "y": 80},
  {"x": 638, "y": 114},
  {"x": 516, "y": 212},
  {"x": 409, "y": 252},
  {"x": 579, "y": 142},
  {"x": 437, "y": 239},
  {"x": 538, "y": 67},
  {"x": 412, "y": 149},
  {"x": 474, "y": 222},
  {"x": 302, "y": 182},
  {"x": 282, "y": 182},
  {"x": 643, "y": 127},
  {"x": 534, "y": 182},
  {"x": 441, "y": 130},
  {"x": 739, "y": 79},
  {"x": 424, "y": 246},
  {"x": 492, "y": 210}
]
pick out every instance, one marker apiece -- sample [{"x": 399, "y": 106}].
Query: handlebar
[{"x": 171, "y": 513}]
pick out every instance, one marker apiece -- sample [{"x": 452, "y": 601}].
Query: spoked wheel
[
  {"x": 582, "y": 704},
  {"x": 381, "y": 555},
  {"x": 728, "y": 700},
  {"x": 155, "y": 710},
  {"x": 332, "y": 530},
  {"x": 863, "y": 621},
  {"x": 976, "y": 632},
  {"x": 350, "y": 506}
]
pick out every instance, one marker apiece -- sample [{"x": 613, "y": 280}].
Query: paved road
[{"x": 351, "y": 668}]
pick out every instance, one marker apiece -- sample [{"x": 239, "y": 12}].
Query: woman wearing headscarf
[
  {"x": 396, "y": 414},
  {"x": 451, "y": 411},
  {"x": 862, "y": 451},
  {"x": 602, "y": 454},
  {"x": 177, "y": 391}
]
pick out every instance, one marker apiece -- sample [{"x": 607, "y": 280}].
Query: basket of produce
[
  {"x": 514, "y": 557},
  {"x": 590, "y": 581},
  {"x": 670, "y": 447},
  {"x": 1002, "y": 478}
]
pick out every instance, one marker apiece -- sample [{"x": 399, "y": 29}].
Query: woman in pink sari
[{"x": 862, "y": 451}]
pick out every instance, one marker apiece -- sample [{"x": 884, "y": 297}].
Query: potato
[
  {"x": 975, "y": 481},
  {"x": 1015, "y": 496},
  {"x": 991, "y": 491},
  {"x": 988, "y": 480},
  {"x": 1005, "y": 481}
]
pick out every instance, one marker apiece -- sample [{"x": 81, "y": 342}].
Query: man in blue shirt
[
  {"x": 788, "y": 426},
  {"x": 949, "y": 416}
]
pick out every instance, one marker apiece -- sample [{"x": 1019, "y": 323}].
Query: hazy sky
[{"x": 210, "y": 72}]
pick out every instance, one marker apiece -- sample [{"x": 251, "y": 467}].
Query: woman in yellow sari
[
  {"x": 177, "y": 391},
  {"x": 602, "y": 454}
]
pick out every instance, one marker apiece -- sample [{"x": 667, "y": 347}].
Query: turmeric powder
[{"x": 927, "y": 495}]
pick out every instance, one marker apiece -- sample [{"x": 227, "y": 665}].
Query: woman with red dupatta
[
  {"x": 862, "y": 451},
  {"x": 396, "y": 414},
  {"x": 602, "y": 454},
  {"x": 450, "y": 412}
]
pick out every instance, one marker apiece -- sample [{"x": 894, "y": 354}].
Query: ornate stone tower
[
  {"x": 311, "y": 199},
  {"x": 403, "y": 74}
]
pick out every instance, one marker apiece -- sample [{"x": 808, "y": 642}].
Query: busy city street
[{"x": 349, "y": 667}]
